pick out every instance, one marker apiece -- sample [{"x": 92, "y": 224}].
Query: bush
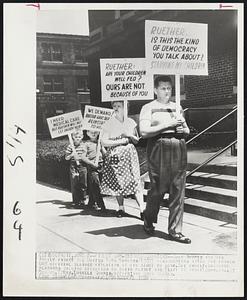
[{"x": 52, "y": 167}]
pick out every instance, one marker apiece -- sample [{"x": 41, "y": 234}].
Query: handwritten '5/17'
[{"x": 14, "y": 142}]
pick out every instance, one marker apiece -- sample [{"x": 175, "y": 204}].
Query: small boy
[
  {"x": 94, "y": 171},
  {"x": 78, "y": 169},
  {"x": 166, "y": 156}
]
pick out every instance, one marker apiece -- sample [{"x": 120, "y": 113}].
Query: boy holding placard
[
  {"x": 78, "y": 169},
  {"x": 167, "y": 158},
  {"x": 94, "y": 171}
]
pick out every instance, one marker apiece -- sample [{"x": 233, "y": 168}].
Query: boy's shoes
[
  {"x": 179, "y": 237},
  {"x": 79, "y": 205},
  {"x": 148, "y": 227},
  {"x": 120, "y": 213}
]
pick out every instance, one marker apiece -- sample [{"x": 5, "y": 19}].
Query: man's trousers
[{"x": 167, "y": 162}]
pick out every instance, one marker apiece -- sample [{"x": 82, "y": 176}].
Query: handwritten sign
[
  {"x": 176, "y": 48},
  {"x": 125, "y": 79},
  {"x": 96, "y": 117},
  {"x": 65, "y": 124}
]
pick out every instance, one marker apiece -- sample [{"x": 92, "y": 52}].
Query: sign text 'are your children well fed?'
[{"x": 125, "y": 79}]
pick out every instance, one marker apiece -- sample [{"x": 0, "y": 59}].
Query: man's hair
[{"x": 163, "y": 78}]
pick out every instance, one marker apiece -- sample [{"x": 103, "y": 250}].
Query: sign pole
[
  {"x": 125, "y": 110},
  {"x": 98, "y": 148},
  {"x": 73, "y": 147},
  {"x": 177, "y": 94}
]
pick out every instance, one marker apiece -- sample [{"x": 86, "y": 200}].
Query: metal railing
[
  {"x": 211, "y": 158},
  {"x": 212, "y": 125},
  {"x": 234, "y": 109}
]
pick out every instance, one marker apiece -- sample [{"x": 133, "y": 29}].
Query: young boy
[
  {"x": 78, "y": 169},
  {"x": 94, "y": 173},
  {"x": 166, "y": 156}
]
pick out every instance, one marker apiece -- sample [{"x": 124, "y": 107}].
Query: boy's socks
[{"x": 121, "y": 207}]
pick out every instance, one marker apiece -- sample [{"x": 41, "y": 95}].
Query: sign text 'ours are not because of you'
[
  {"x": 176, "y": 48},
  {"x": 125, "y": 79},
  {"x": 65, "y": 124}
]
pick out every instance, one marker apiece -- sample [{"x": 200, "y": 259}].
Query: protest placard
[
  {"x": 176, "y": 47},
  {"x": 95, "y": 117},
  {"x": 65, "y": 124},
  {"x": 125, "y": 79}
]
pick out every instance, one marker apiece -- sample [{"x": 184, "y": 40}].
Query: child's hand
[
  {"x": 76, "y": 156},
  {"x": 94, "y": 165}
]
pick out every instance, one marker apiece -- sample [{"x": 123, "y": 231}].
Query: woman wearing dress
[{"x": 121, "y": 171}]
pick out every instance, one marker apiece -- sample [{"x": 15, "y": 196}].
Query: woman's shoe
[{"x": 120, "y": 213}]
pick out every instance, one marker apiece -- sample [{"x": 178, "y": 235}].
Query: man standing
[{"x": 167, "y": 158}]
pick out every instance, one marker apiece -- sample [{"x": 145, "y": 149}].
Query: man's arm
[{"x": 148, "y": 131}]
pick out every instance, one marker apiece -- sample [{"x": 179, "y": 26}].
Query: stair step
[
  {"x": 211, "y": 210},
  {"x": 212, "y": 194},
  {"x": 213, "y": 179},
  {"x": 219, "y": 169}
]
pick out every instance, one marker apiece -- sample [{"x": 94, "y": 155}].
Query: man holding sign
[{"x": 167, "y": 158}]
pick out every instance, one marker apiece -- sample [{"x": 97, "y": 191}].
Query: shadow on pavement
[
  {"x": 131, "y": 232},
  {"x": 66, "y": 204},
  {"x": 109, "y": 213}
]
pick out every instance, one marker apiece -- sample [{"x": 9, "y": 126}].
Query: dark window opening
[
  {"x": 51, "y": 52},
  {"x": 53, "y": 83}
]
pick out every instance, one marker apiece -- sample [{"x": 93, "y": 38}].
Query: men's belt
[{"x": 171, "y": 135}]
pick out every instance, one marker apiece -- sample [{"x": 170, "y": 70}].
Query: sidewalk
[{"x": 75, "y": 230}]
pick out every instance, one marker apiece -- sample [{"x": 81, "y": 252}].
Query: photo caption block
[{"x": 60, "y": 265}]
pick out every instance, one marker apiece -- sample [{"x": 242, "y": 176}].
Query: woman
[{"x": 121, "y": 171}]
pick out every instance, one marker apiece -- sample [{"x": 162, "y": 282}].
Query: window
[
  {"x": 53, "y": 84},
  {"x": 79, "y": 57},
  {"x": 82, "y": 84},
  {"x": 51, "y": 52}
]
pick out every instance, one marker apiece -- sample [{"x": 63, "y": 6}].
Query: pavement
[{"x": 65, "y": 229}]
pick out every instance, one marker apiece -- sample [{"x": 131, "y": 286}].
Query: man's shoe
[
  {"x": 179, "y": 237},
  {"x": 148, "y": 227}
]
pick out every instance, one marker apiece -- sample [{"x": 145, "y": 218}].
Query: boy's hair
[
  {"x": 121, "y": 101},
  {"x": 163, "y": 78},
  {"x": 75, "y": 133}
]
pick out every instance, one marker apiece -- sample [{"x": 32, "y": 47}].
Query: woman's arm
[{"x": 108, "y": 142}]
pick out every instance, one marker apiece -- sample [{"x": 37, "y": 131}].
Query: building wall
[
  {"x": 69, "y": 98},
  {"x": 128, "y": 40}
]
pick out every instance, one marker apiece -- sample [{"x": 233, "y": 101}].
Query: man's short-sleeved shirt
[
  {"x": 157, "y": 113},
  {"x": 114, "y": 128}
]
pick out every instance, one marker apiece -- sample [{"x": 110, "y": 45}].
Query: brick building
[
  {"x": 121, "y": 34},
  {"x": 62, "y": 76}
]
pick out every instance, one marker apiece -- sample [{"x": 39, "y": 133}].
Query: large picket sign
[
  {"x": 65, "y": 124},
  {"x": 125, "y": 79},
  {"x": 176, "y": 48},
  {"x": 96, "y": 117}
]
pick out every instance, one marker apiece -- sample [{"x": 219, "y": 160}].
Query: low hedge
[{"x": 52, "y": 167}]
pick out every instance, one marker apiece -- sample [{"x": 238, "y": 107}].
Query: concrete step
[
  {"x": 211, "y": 194},
  {"x": 206, "y": 209},
  {"x": 213, "y": 179},
  {"x": 211, "y": 210},
  {"x": 218, "y": 169}
]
